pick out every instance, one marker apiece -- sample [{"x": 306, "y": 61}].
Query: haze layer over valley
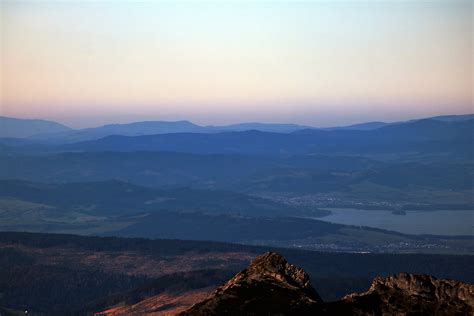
[{"x": 253, "y": 186}]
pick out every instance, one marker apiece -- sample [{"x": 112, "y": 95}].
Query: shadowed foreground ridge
[{"x": 272, "y": 286}]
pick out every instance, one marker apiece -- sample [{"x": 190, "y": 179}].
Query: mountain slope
[
  {"x": 18, "y": 128},
  {"x": 269, "y": 286},
  {"x": 453, "y": 118}
]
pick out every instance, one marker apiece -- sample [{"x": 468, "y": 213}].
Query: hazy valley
[{"x": 338, "y": 202}]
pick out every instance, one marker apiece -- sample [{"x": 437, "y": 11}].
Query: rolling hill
[
  {"x": 21, "y": 128},
  {"x": 115, "y": 198}
]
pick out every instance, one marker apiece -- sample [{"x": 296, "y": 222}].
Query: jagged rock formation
[
  {"x": 272, "y": 286},
  {"x": 412, "y": 294},
  {"x": 269, "y": 286}
]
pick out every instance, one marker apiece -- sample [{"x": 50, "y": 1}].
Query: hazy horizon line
[{"x": 169, "y": 120}]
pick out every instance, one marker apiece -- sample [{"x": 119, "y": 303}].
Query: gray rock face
[
  {"x": 271, "y": 267},
  {"x": 411, "y": 294}
]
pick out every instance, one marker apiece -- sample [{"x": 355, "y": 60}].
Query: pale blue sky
[{"x": 315, "y": 62}]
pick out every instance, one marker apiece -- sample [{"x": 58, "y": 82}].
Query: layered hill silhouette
[
  {"x": 428, "y": 136},
  {"x": 42, "y": 130},
  {"x": 156, "y": 127},
  {"x": 19, "y": 128}
]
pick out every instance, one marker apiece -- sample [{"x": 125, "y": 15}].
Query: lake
[{"x": 414, "y": 222}]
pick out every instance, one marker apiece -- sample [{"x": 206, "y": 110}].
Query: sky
[{"x": 320, "y": 63}]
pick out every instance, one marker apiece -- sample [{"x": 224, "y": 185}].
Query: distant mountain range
[
  {"x": 147, "y": 128},
  {"x": 49, "y": 131},
  {"x": 375, "y": 125},
  {"x": 160, "y": 127},
  {"x": 418, "y": 136},
  {"x": 20, "y": 128}
]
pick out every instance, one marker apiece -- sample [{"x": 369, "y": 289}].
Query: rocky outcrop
[
  {"x": 272, "y": 286},
  {"x": 269, "y": 286},
  {"x": 412, "y": 294}
]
